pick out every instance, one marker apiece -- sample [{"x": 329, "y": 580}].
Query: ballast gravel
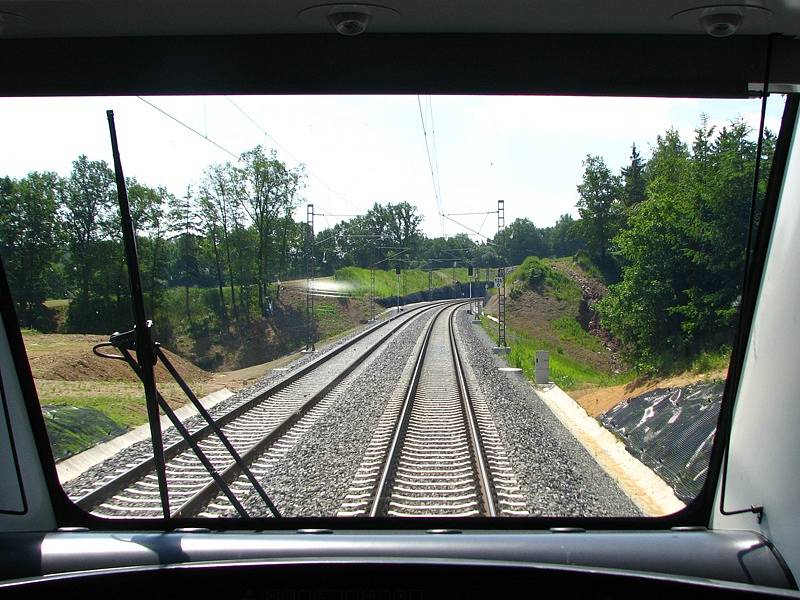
[{"x": 556, "y": 474}]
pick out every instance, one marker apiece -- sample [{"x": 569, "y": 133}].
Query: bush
[
  {"x": 533, "y": 272},
  {"x": 95, "y": 314},
  {"x": 538, "y": 275},
  {"x": 584, "y": 261}
]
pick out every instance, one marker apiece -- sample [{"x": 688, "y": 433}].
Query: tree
[
  {"x": 267, "y": 190},
  {"x": 30, "y": 234},
  {"x": 186, "y": 227},
  {"x": 520, "y": 239},
  {"x": 668, "y": 169},
  {"x": 210, "y": 220},
  {"x": 151, "y": 225},
  {"x": 87, "y": 211},
  {"x": 95, "y": 264},
  {"x": 599, "y": 207},
  {"x": 633, "y": 180},
  {"x": 485, "y": 254},
  {"x": 640, "y": 309},
  {"x": 684, "y": 247},
  {"x": 219, "y": 188},
  {"x": 397, "y": 223},
  {"x": 563, "y": 238}
]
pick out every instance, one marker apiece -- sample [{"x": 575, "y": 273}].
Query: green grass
[
  {"x": 57, "y": 303},
  {"x": 569, "y": 329},
  {"x": 324, "y": 310},
  {"x": 412, "y": 280},
  {"x": 707, "y": 361},
  {"x": 120, "y": 409},
  {"x": 566, "y": 372},
  {"x": 74, "y": 429},
  {"x": 584, "y": 261}
]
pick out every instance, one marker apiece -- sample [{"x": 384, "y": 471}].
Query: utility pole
[
  {"x": 397, "y": 272},
  {"x": 430, "y": 283},
  {"x": 476, "y": 314},
  {"x": 372, "y": 292},
  {"x": 501, "y": 281},
  {"x": 310, "y": 279},
  {"x": 470, "y": 272}
]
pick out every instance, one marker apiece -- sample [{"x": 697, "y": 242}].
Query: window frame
[{"x": 171, "y": 54}]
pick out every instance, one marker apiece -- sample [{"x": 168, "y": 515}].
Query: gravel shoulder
[{"x": 555, "y": 473}]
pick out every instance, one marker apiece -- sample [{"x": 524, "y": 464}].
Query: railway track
[
  {"x": 435, "y": 451},
  {"x": 261, "y": 430}
]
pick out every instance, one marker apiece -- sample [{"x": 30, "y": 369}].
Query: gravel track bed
[
  {"x": 555, "y": 473},
  {"x": 314, "y": 476},
  {"x": 137, "y": 452}
]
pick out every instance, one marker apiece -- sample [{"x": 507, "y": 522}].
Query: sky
[{"x": 358, "y": 150}]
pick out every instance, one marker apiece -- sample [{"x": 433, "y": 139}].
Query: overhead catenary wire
[
  {"x": 439, "y": 207},
  {"x": 485, "y": 217},
  {"x": 338, "y": 235},
  {"x": 255, "y": 123},
  {"x": 236, "y": 156},
  {"x": 189, "y": 127},
  {"x": 289, "y": 154},
  {"x": 485, "y": 214},
  {"x": 435, "y": 152},
  {"x": 474, "y": 231},
  {"x": 463, "y": 214}
]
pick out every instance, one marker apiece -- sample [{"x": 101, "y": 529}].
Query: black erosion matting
[{"x": 671, "y": 430}]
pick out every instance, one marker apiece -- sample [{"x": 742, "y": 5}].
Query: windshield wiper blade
[{"x": 139, "y": 339}]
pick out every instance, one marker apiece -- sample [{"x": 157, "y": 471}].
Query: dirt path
[{"x": 69, "y": 357}]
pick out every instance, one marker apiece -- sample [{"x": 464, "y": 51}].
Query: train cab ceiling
[
  {"x": 93, "y": 18},
  {"x": 675, "y": 48}
]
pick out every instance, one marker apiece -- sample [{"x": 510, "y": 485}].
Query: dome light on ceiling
[
  {"x": 346, "y": 19},
  {"x": 723, "y": 20}
]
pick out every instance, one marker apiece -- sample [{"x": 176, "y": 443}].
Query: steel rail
[
  {"x": 138, "y": 471},
  {"x": 381, "y": 496},
  {"x": 481, "y": 464}
]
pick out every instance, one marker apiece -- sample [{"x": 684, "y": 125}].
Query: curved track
[{"x": 435, "y": 453}]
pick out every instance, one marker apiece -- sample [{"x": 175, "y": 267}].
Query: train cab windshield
[{"x": 510, "y": 309}]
